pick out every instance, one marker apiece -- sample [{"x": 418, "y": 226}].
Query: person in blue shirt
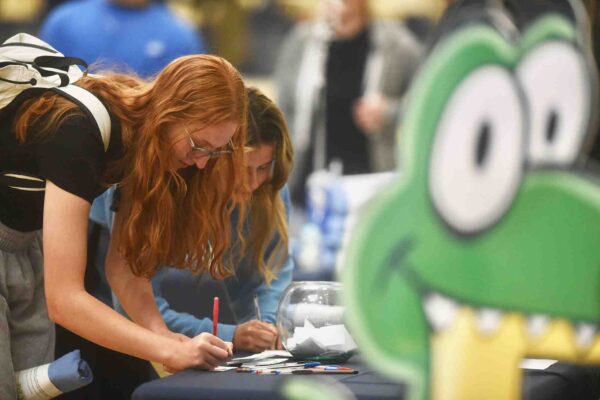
[
  {"x": 265, "y": 269},
  {"x": 140, "y": 36}
]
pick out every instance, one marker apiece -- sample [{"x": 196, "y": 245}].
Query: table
[
  {"x": 560, "y": 381},
  {"x": 231, "y": 385}
]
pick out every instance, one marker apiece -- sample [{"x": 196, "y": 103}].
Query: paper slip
[
  {"x": 267, "y": 354},
  {"x": 222, "y": 368},
  {"x": 268, "y": 361},
  {"x": 532, "y": 363},
  {"x": 319, "y": 314},
  {"x": 283, "y": 366},
  {"x": 309, "y": 341}
]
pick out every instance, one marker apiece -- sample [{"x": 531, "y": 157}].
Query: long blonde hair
[
  {"x": 180, "y": 218},
  {"x": 267, "y": 216}
]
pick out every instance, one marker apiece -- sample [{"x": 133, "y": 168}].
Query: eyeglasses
[{"x": 204, "y": 152}]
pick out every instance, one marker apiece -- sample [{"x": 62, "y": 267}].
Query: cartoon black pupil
[
  {"x": 551, "y": 126},
  {"x": 483, "y": 144}
]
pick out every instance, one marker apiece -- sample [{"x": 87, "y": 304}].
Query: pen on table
[
  {"x": 257, "y": 308},
  {"x": 215, "y": 315},
  {"x": 312, "y": 364},
  {"x": 323, "y": 371},
  {"x": 332, "y": 368}
]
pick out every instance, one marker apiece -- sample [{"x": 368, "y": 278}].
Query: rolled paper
[{"x": 63, "y": 375}]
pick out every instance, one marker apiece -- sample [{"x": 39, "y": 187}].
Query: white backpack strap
[{"x": 94, "y": 107}]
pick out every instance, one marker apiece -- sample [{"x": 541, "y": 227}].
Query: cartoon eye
[
  {"x": 555, "y": 80},
  {"x": 477, "y": 155}
]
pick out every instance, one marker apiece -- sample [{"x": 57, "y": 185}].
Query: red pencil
[{"x": 215, "y": 315}]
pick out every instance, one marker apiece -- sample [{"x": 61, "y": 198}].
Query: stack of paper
[
  {"x": 319, "y": 314},
  {"x": 309, "y": 341},
  {"x": 264, "y": 358}
]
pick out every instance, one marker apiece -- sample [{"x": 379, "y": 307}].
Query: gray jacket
[{"x": 299, "y": 75}]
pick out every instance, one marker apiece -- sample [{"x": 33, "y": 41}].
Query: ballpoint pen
[{"x": 257, "y": 308}]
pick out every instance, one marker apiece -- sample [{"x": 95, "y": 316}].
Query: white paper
[
  {"x": 263, "y": 362},
  {"x": 309, "y": 341},
  {"x": 263, "y": 355},
  {"x": 536, "y": 363},
  {"x": 223, "y": 368}
]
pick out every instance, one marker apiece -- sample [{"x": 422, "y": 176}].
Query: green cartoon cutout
[{"x": 487, "y": 248}]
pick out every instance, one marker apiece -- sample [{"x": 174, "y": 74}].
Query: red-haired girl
[{"x": 176, "y": 153}]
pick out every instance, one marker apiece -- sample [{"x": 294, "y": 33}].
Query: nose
[
  {"x": 253, "y": 183},
  {"x": 200, "y": 162}
]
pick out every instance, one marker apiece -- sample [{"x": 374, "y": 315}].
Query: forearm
[
  {"x": 93, "y": 320},
  {"x": 137, "y": 299},
  {"x": 134, "y": 293}
]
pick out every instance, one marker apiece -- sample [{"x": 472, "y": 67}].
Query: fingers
[
  {"x": 269, "y": 327},
  {"x": 210, "y": 362},
  {"x": 255, "y": 336},
  {"x": 214, "y": 341},
  {"x": 212, "y": 346}
]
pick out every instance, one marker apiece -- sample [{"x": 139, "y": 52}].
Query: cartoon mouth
[
  {"x": 475, "y": 348},
  {"x": 443, "y": 312}
]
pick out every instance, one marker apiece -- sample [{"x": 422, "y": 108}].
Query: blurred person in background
[
  {"x": 140, "y": 36},
  {"x": 339, "y": 81}
]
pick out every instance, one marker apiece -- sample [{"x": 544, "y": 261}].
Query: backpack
[{"x": 27, "y": 62}]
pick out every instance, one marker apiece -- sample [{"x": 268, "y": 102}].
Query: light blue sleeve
[
  {"x": 186, "y": 323},
  {"x": 269, "y": 295}
]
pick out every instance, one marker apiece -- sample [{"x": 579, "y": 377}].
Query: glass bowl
[{"x": 310, "y": 321}]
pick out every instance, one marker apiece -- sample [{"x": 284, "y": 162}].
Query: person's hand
[
  {"x": 369, "y": 113},
  {"x": 177, "y": 336},
  {"x": 254, "y": 336},
  {"x": 279, "y": 343},
  {"x": 204, "y": 351}
]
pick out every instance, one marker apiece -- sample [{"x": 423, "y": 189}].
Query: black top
[
  {"x": 345, "y": 69},
  {"x": 73, "y": 158}
]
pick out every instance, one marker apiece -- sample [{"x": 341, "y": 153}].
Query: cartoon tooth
[
  {"x": 488, "y": 320},
  {"x": 441, "y": 311},
  {"x": 585, "y": 335},
  {"x": 537, "y": 325}
]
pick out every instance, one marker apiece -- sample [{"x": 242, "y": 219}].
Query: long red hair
[{"x": 179, "y": 218}]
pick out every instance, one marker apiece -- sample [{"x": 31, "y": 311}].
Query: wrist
[
  {"x": 168, "y": 350},
  {"x": 160, "y": 328}
]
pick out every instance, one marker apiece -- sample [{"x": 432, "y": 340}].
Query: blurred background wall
[{"x": 246, "y": 32}]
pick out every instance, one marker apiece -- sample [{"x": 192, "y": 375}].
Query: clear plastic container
[{"x": 310, "y": 321}]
